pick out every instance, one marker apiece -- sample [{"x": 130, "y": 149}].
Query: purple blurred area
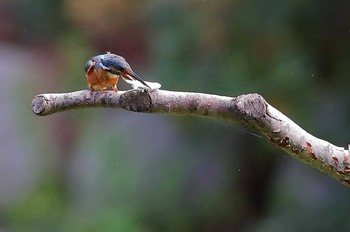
[{"x": 111, "y": 170}]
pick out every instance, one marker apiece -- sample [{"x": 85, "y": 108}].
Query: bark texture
[{"x": 250, "y": 109}]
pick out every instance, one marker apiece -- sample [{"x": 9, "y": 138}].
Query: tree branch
[{"x": 251, "y": 110}]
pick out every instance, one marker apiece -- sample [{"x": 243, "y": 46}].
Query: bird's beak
[{"x": 133, "y": 76}]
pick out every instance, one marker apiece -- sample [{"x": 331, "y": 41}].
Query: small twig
[{"x": 252, "y": 110}]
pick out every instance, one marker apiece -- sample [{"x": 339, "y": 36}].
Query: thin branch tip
[{"x": 38, "y": 105}]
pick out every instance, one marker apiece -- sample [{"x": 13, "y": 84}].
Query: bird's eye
[{"x": 115, "y": 71}]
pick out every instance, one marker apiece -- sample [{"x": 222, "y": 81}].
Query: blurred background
[{"x": 112, "y": 170}]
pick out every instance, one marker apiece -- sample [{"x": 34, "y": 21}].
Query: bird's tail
[{"x": 137, "y": 84}]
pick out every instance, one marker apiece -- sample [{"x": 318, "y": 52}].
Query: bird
[{"x": 103, "y": 72}]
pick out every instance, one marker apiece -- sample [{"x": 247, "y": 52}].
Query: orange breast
[{"x": 98, "y": 79}]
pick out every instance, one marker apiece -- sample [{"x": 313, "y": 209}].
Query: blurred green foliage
[{"x": 110, "y": 170}]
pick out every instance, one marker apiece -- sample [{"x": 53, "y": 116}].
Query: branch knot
[
  {"x": 136, "y": 100},
  {"x": 252, "y": 106}
]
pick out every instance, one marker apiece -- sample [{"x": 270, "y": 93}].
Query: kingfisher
[{"x": 104, "y": 71}]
